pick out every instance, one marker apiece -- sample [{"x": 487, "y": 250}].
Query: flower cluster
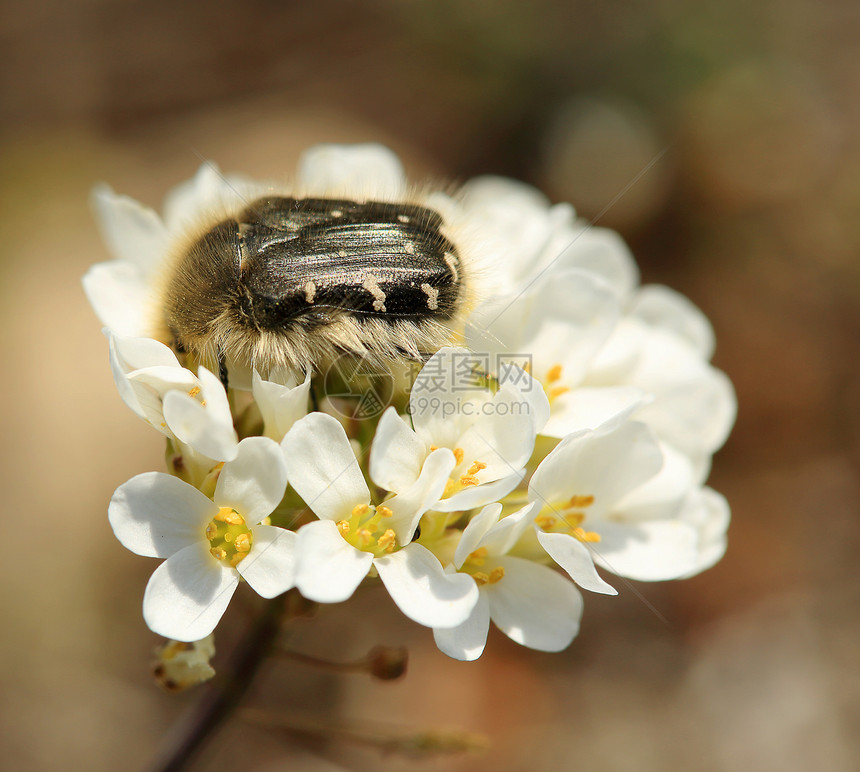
[{"x": 568, "y": 427}]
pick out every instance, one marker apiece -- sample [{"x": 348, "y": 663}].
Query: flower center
[
  {"x": 229, "y": 538},
  {"x": 568, "y": 517},
  {"x": 367, "y": 529},
  {"x": 553, "y": 386},
  {"x": 475, "y": 566},
  {"x": 457, "y": 481}
]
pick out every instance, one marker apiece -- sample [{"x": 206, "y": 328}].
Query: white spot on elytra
[
  {"x": 452, "y": 263},
  {"x": 432, "y": 296},
  {"x": 336, "y": 213},
  {"x": 310, "y": 292},
  {"x": 403, "y": 217},
  {"x": 372, "y": 286},
  {"x": 409, "y": 248}
]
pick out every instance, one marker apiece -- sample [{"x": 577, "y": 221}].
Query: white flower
[
  {"x": 614, "y": 497},
  {"x": 491, "y": 435},
  {"x": 208, "y": 543},
  {"x": 559, "y": 323},
  {"x": 190, "y": 410},
  {"x": 352, "y": 535},
  {"x": 281, "y": 401},
  {"x": 529, "y": 602}
]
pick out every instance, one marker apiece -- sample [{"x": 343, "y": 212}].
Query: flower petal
[
  {"x": 408, "y": 506},
  {"x": 474, "y": 532},
  {"x": 648, "y": 551},
  {"x": 663, "y": 308},
  {"x": 534, "y": 606},
  {"x": 329, "y": 568},
  {"x": 588, "y": 408},
  {"x": 156, "y": 515},
  {"x": 358, "y": 172},
  {"x": 281, "y": 406},
  {"x": 575, "y": 558},
  {"x": 479, "y": 495},
  {"x": 119, "y": 295},
  {"x": 466, "y": 642},
  {"x": 270, "y": 566},
  {"x": 188, "y": 594},
  {"x": 423, "y": 591},
  {"x": 321, "y": 467},
  {"x": 254, "y": 482},
  {"x": 397, "y": 454}
]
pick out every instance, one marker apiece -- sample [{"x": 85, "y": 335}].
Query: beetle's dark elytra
[{"x": 312, "y": 258}]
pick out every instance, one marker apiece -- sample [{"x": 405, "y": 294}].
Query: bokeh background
[{"x": 721, "y": 139}]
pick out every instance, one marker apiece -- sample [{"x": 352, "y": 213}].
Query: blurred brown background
[{"x": 751, "y": 209}]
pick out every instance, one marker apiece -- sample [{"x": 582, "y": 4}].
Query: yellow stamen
[
  {"x": 480, "y": 578},
  {"x": 242, "y": 542},
  {"x": 554, "y": 374},
  {"x": 359, "y": 510},
  {"x": 230, "y": 516},
  {"x": 388, "y": 540},
  {"x": 574, "y": 519},
  {"x": 545, "y": 522},
  {"x": 557, "y": 391},
  {"x": 496, "y": 574},
  {"x": 581, "y": 501},
  {"x": 459, "y": 453},
  {"x": 194, "y": 391},
  {"x": 384, "y": 511},
  {"x": 434, "y": 447},
  {"x": 343, "y": 527},
  {"x": 211, "y": 530},
  {"x": 364, "y": 536},
  {"x": 477, "y": 467},
  {"x": 219, "y": 553},
  {"x": 586, "y": 536},
  {"x": 449, "y": 488},
  {"x": 478, "y": 557},
  {"x": 468, "y": 480}
]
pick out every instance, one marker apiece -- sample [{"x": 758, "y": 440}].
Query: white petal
[
  {"x": 530, "y": 390},
  {"x": 329, "y": 568},
  {"x": 408, "y": 506},
  {"x": 708, "y": 512},
  {"x": 397, "y": 455},
  {"x": 507, "y": 532},
  {"x": 604, "y": 464},
  {"x": 475, "y": 531},
  {"x": 208, "y": 429},
  {"x": 663, "y": 308},
  {"x": 575, "y": 558},
  {"x": 133, "y": 233},
  {"x": 588, "y": 408},
  {"x": 281, "y": 406},
  {"x": 648, "y": 551},
  {"x": 358, "y": 172},
  {"x": 156, "y": 515},
  {"x": 466, "y": 642},
  {"x": 119, "y": 295},
  {"x": 254, "y": 482},
  {"x": 321, "y": 467},
  {"x": 270, "y": 566},
  {"x": 188, "y": 594},
  {"x": 137, "y": 353},
  {"x": 535, "y": 606},
  {"x": 437, "y": 395},
  {"x": 208, "y": 192},
  {"x": 479, "y": 495},
  {"x": 423, "y": 591}
]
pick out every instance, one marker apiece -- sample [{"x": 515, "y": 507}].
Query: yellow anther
[
  {"x": 586, "y": 536},
  {"x": 574, "y": 519},
  {"x": 193, "y": 391},
  {"x": 449, "y": 488},
  {"x": 242, "y": 543},
  {"x": 434, "y": 447},
  {"x": 219, "y": 553},
  {"x": 211, "y": 531},
  {"x": 359, "y": 510},
  {"x": 477, "y": 467},
  {"x": 343, "y": 527},
  {"x": 581, "y": 501},
  {"x": 545, "y": 522},
  {"x": 364, "y": 537},
  {"x": 459, "y": 454},
  {"x": 557, "y": 391},
  {"x": 554, "y": 374},
  {"x": 384, "y": 511},
  {"x": 480, "y": 578},
  {"x": 237, "y": 558},
  {"x": 497, "y": 573},
  {"x": 388, "y": 541},
  {"x": 230, "y": 516},
  {"x": 477, "y": 557},
  {"x": 469, "y": 480}
]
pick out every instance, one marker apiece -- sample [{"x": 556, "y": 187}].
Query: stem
[{"x": 223, "y": 696}]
